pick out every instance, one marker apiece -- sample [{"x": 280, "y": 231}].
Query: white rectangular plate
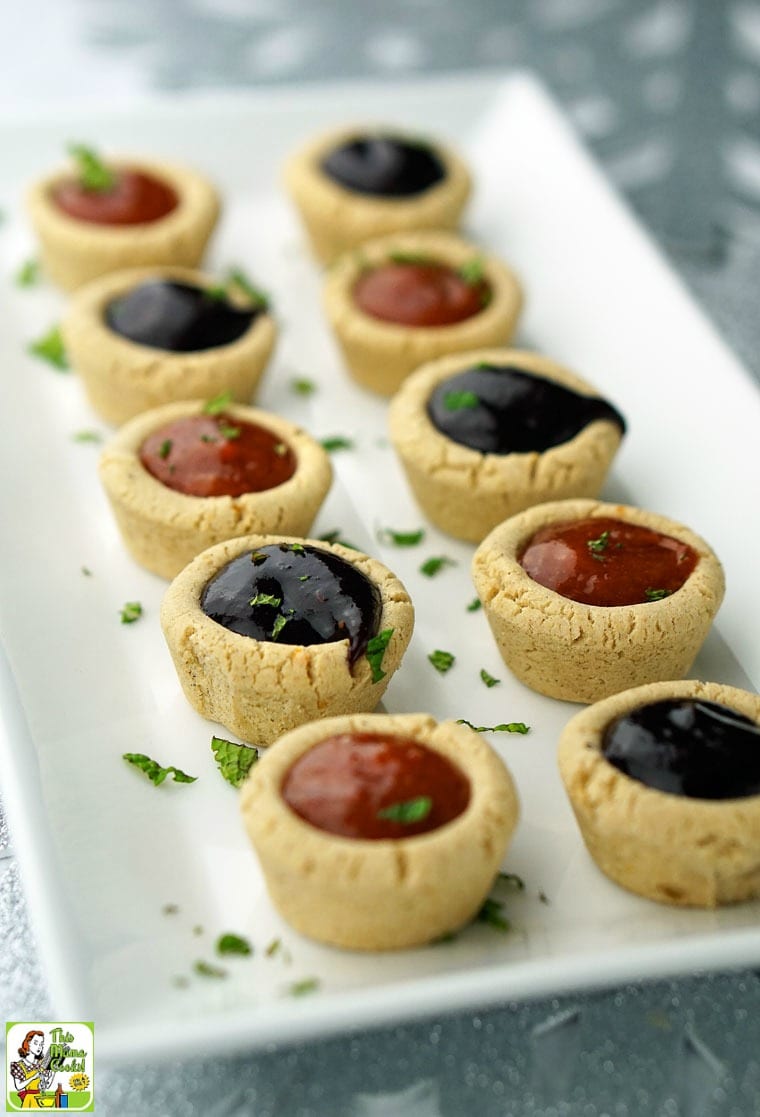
[{"x": 102, "y": 850}]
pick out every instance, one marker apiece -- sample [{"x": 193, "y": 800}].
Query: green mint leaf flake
[
  {"x": 50, "y": 348},
  {"x": 335, "y": 537},
  {"x": 432, "y": 566},
  {"x": 257, "y": 557},
  {"x": 279, "y": 624},
  {"x": 217, "y": 293},
  {"x": 408, "y": 258},
  {"x": 543, "y": 897},
  {"x": 228, "y": 432},
  {"x": 337, "y": 442},
  {"x": 131, "y": 611},
  {"x": 87, "y": 436},
  {"x": 266, "y": 599},
  {"x": 280, "y": 449},
  {"x": 655, "y": 595},
  {"x": 28, "y": 275},
  {"x": 302, "y": 386},
  {"x": 412, "y": 810},
  {"x": 304, "y": 986},
  {"x": 165, "y": 449},
  {"x": 296, "y": 548},
  {"x": 513, "y": 881},
  {"x": 474, "y": 605},
  {"x": 233, "y": 944},
  {"x": 170, "y": 909},
  {"x": 93, "y": 173},
  {"x": 472, "y": 271},
  {"x": 492, "y": 914},
  {"x": 156, "y": 772},
  {"x": 442, "y": 661},
  {"x": 206, "y": 969},
  {"x": 303, "y": 577},
  {"x": 375, "y": 652},
  {"x": 505, "y": 727},
  {"x": 460, "y": 401},
  {"x": 489, "y": 680},
  {"x": 599, "y": 546},
  {"x": 217, "y": 405},
  {"x": 274, "y": 946},
  {"x": 86, "y": 571},
  {"x": 257, "y": 297},
  {"x": 400, "y": 538},
  {"x": 234, "y": 761}
]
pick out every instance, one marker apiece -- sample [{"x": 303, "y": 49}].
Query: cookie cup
[
  {"x": 337, "y": 219},
  {"x": 164, "y": 530},
  {"x": 122, "y": 378},
  {"x": 380, "y": 355},
  {"x": 74, "y": 252},
  {"x": 669, "y": 848},
  {"x": 467, "y": 493},
  {"x": 391, "y": 893},
  {"x": 260, "y": 689},
  {"x": 582, "y": 653}
]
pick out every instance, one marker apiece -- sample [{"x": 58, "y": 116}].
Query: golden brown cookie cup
[
  {"x": 380, "y": 355},
  {"x": 260, "y": 689},
  {"x": 387, "y": 894},
  {"x": 669, "y": 848},
  {"x": 75, "y": 252},
  {"x": 164, "y": 530},
  {"x": 583, "y": 653},
  {"x": 466, "y": 493},
  {"x": 337, "y": 219},
  {"x": 123, "y": 379}
]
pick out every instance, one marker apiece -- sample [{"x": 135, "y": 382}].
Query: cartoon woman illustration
[{"x": 31, "y": 1073}]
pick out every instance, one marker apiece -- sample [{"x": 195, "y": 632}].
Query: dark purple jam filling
[
  {"x": 687, "y": 747},
  {"x": 177, "y": 317},
  {"x": 384, "y": 166},
  {"x": 503, "y": 410},
  {"x": 294, "y": 594}
]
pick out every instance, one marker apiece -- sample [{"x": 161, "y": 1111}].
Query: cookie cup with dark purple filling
[
  {"x": 259, "y": 689},
  {"x": 671, "y": 848}
]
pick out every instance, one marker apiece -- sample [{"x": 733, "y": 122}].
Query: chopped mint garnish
[
  {"x": 228, "y": 432},
  {"x": 337, "y": 442},
  {"x": 513, "y": 881},
  {"x": 306, "y": 985},
  {"x": 489, "y": 680},
  {"x": 599, "y": 546},
  {"x": 491, "y": 913},
  {"x": 205, "y": 969},
  {"x": 432, "y": 566},
  {"x": 400, "y": 538},
  {"x": 474, "y": 605},
  {"x": 279, "y": 624},
  {"x": 155, "y": 772},
  {"x": 336, "y": 537},
  {"x": 50, "y": 348},
  {"x": 412, "y": 810},
  {"x": 442, "y": 661},
  {"x": 87, "y": 436},
  {"x": 165, "y": 449},
  {"x": 217, "y": 405},
  {"x": 131, "y": 612},
  {"x": 258, "y": 298},
  {"x": 460, "y": 401},
  {"x": 233, "y": 944},
  {"x": 472, "y": 271},
  {"x": 505, "y": 727},
  {"x": 28, "y": 275},
  {"x": 375, "y": 652},
  {"x": 656, "y": 595},
  {"x": 302, "y": 386},
  {"x": 234, "y": 761},
  {"x": 93, "y": 173}
]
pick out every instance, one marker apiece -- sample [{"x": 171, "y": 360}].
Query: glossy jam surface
[
  {"x": 385, "y": 166},
  {"x": 134, "y": 199},
  {"x": 177, "y": 317},
  {"x": 217, "y": 455},
  {"x": 345, "y": 783},
  {"x": 504, "y": 410},
  {"x": 687, "y": 747},
  {"x": 419, "y": 294},
  {"x": 301, "y": 595},
  {"x": 602, "y": 561}
]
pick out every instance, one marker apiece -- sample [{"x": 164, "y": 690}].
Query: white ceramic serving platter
[{"x": 102, "y": 850}]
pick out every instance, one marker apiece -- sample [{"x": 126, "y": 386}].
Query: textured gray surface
[{"x": 667, "y": 93}]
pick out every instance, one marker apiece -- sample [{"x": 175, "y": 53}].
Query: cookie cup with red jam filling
[
  {"x": 76, "y": 251},
  {"x": 584, "y": 652},
  {"x": 674, "y": 848},
  {"x": 337, "y": 218},
  {"x": 260, "y": 686},
  {"x": 466, "y": 491},
  {"x": 164, "y": 529},
  {"x": 123, "y": 378},
  {"x": 383, "y": 893},
  {"x": 380, "y": 353}
]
